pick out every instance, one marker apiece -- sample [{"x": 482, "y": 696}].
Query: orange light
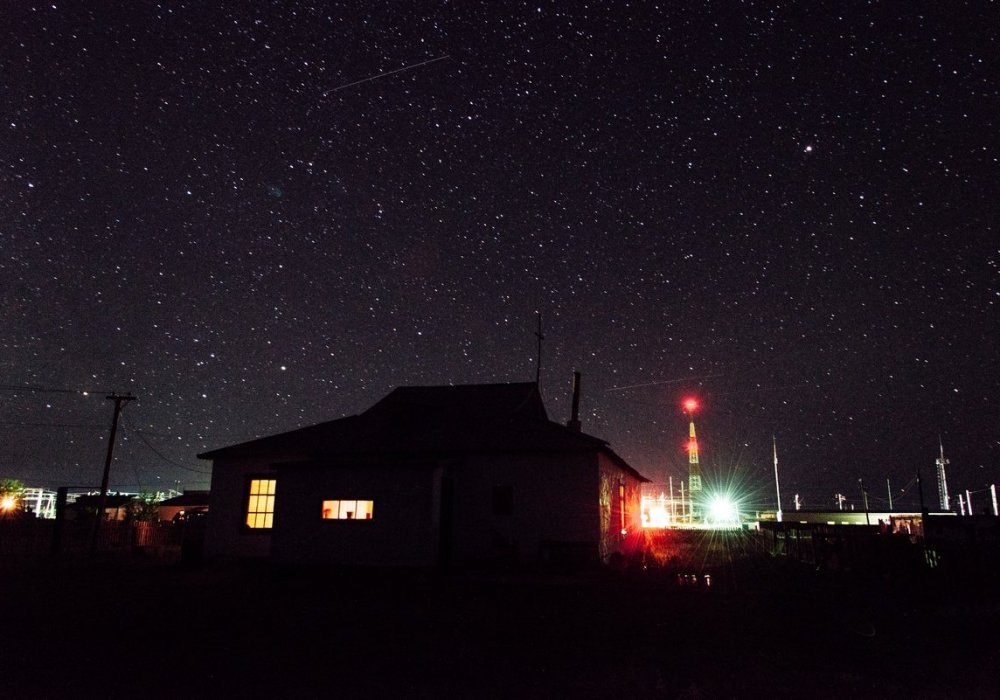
[{"x": 7, "y": 503}]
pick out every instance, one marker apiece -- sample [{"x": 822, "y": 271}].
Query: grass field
[{"x": 121, "y": 626}]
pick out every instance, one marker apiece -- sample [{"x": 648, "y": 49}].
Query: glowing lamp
[
  {"x": 7, "y": 503},
  {"x": 690, "y": 405},
  {"x": 722, "y": 509}
]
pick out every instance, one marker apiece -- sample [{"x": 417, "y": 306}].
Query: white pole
[
  {"x": 961, "y": 504},
  {"x": 673, "y": 505},
  {"x": 777, "y": 487},
  {"x": 993, "y": 492},
  {"x": 968, "y": 501}
]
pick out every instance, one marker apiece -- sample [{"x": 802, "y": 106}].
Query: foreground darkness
[{"x": 144, "y": 627}]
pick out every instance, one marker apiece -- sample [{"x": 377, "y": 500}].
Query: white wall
[
  {"x": 403, "y": 529},
  {"x": 554, "y": 501},
  {"x": 225, "y": 534}
]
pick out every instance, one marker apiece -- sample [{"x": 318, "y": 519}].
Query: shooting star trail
[
  {"x": 666, "y": 381},
  {"x": 382, "y": 75}
]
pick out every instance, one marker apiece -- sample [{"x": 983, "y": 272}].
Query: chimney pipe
[{"x": 574, "y": 421}]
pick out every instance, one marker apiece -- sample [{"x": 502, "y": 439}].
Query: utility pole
[
  {"x": 993, "y": 492},
  {"x": 119, "y": 400},
  {"x": 889, "y": 489},
  {"x": 864, "y": 496}
]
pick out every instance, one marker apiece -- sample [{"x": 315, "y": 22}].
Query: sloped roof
[{"x": 431, "y": 420}]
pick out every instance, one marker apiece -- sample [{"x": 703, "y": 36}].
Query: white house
[{"x": 471, "y": 474}]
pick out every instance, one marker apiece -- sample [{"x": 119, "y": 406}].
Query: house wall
[
  {"x": 553, "y": 514},
  {"x": 403, "y": 530},
  {"x": 225, "y": 533},
  {"x": 612, "y": 540}
]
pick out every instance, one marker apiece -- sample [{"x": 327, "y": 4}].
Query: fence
[{"x": 35, "y": 537}]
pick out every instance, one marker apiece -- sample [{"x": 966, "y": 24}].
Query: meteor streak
[{"x": 382, "y": 75}]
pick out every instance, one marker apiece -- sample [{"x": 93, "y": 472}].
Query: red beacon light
[{"x": 690, "y": 405}]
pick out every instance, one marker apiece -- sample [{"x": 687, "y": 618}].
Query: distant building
[
  {"x": 191, "y": 501},
  {"x": 40, "y": 502},
  {"x": 427, "y": 476},
  {"x": 909, "y": 522},
  {"x": 116, "y": 505}
]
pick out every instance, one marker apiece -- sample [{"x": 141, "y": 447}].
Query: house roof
[{"x": 434, "y": 420}]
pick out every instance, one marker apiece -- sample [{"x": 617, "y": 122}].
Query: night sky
[{"x": 269, "y": 215}]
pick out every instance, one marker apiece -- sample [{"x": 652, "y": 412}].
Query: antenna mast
[
  {"x": 540, "y": 337},
  {"x": 942, "y": 480}
]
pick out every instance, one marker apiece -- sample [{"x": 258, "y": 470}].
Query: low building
[
  {"x": 428, "y": 475},
  {"x": 191, "y": 501}
]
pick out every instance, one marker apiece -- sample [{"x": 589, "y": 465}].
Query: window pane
[
  {"x": 268, "y": 520},
  {"x": 347, "y": 510},
  {"x": 329, "y": 510},
  {"x": 260, "y": 503}
]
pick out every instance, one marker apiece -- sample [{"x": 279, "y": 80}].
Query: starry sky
[{"x": 261, "y": 215}]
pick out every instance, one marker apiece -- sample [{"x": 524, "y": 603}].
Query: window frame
[
  {"x": 370, "y": 511},
  {"x": 245, "y": 512}
]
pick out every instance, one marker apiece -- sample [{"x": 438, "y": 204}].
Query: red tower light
[{"x": 690, "y": 405}]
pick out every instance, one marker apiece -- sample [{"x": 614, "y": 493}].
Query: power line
[
  {"x": 159, "y": 454},
  {"x": 52, "y": 425},
  {"x": 50, "y": 390}
]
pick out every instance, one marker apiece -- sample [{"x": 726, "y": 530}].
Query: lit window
[
  {"x": 260, "y": 507},
  {"x": 348, "y": 510}
]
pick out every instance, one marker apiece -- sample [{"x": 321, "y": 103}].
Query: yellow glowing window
[
  {"x": 348, "y": 510},
  {"x": 260, "y": 507}
]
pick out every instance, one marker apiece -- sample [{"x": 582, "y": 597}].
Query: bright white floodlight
[{"x": 722, "y": 510}]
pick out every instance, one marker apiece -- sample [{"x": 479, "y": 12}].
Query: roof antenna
[
  {"x": 574, "y": 421},
  {"x": 538, "y": 366}
]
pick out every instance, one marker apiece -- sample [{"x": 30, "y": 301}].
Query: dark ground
[{"x": 123, "y": 626}]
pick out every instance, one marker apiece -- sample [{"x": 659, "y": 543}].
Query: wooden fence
[{"x": 35, "y": 537}]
